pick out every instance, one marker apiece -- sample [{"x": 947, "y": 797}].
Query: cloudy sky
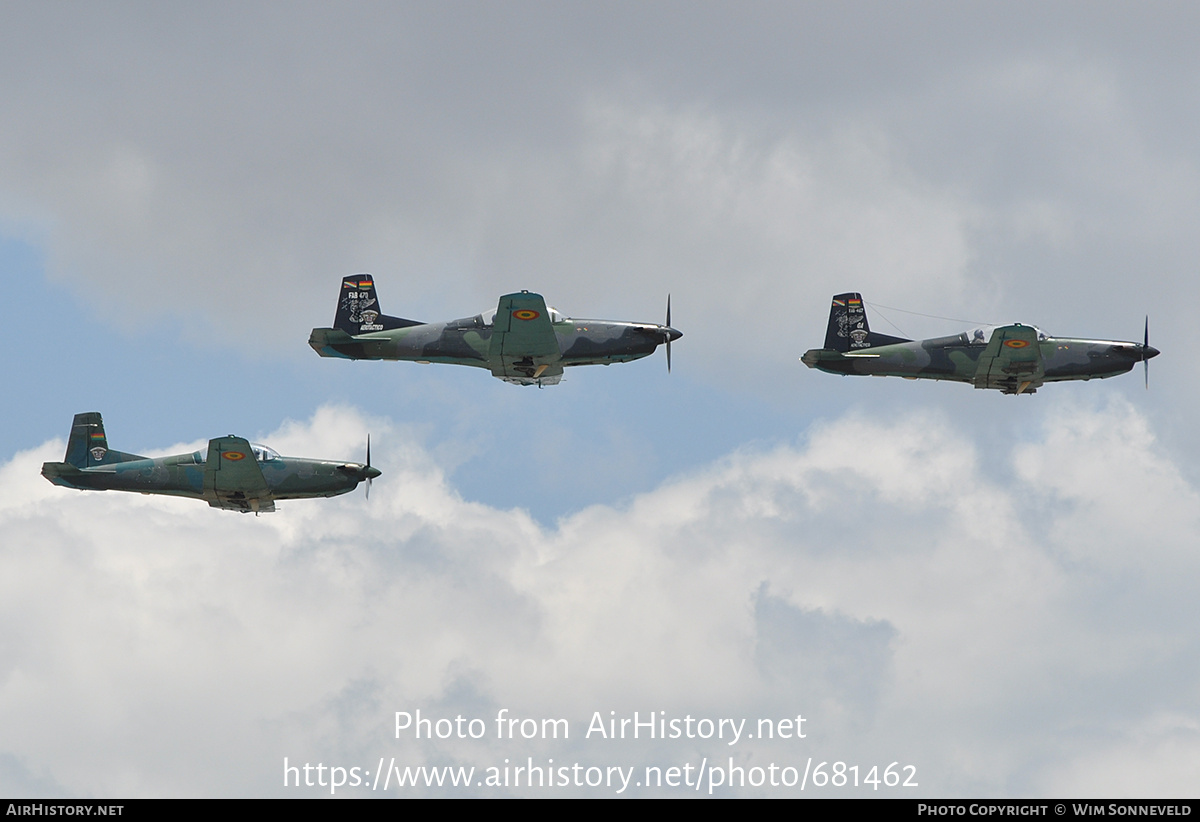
[{"x": 997, "y": 592}]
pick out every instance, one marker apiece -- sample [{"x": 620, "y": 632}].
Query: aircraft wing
[
  {"x": 524, "y": 346},
  {"x": 233, "y": 478},
  {"x": 1012, "y": 361}
]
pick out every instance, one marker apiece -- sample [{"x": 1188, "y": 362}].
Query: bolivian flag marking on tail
[
  {"x": 99, "y": 445},
  {"x": 1016, "y": 343},
  {"x": 526, "y": 314},
  {"x": 233, "y": 455}
]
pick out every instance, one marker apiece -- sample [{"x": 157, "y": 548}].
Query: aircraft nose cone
[
  {"x": 673, "y": 334},
  {"x": 1149, "y": 352},
  {"x": 371, "y": 472}
]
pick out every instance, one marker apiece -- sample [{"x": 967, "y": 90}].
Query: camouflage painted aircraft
[
  {"x": 1015, "y": 359},
  {"x": 522, "y": 341},
  {"x": 231, "y": 474}
]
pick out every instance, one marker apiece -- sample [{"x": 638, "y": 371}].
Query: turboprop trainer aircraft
[
  {"x": 232, "y": 473},
  {"x": 1015, "y": 359},
  {"x": 522, "y": 341}
]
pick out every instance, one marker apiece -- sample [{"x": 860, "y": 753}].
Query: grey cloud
[{"x": 221, "y": 167}]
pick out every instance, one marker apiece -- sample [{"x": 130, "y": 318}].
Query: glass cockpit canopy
[
  {"x": 262, "y": 453},
  {"x": 980, "y": 335}
]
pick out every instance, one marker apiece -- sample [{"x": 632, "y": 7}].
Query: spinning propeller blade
[
  {"x": 668, "y": 334},
  {"x": 1145, "y": 347}
]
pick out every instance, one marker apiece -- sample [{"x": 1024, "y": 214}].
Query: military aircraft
[
  {"x": 1015, "y": 359},
  {"x": 522, "y": 341},
  {"x": 231, "y": 474}
]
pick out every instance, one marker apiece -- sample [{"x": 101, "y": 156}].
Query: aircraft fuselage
[
  {"x": 955, "y": 358},
  {"x": 522, "y": 341},
  {"x": 469, "y": 342},
  {"x": 182, "y": 475},
  {"x": 231, "y": 473}
]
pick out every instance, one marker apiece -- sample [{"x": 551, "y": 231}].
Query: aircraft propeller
[
  {"x": 362, "y": 472},
  {"x": 669, "y": 334},
  {"x": 1145, "y": 349},
  {"x": 368, "y": 471}
]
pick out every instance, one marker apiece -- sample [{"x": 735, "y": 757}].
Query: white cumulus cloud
[{"x": 875, "y": 577}]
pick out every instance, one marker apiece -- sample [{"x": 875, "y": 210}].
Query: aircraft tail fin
[
  {"x": 848, "y": 329},
  {"x": 358, "y": 309},
  {"x": 88, "y": 444}
]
